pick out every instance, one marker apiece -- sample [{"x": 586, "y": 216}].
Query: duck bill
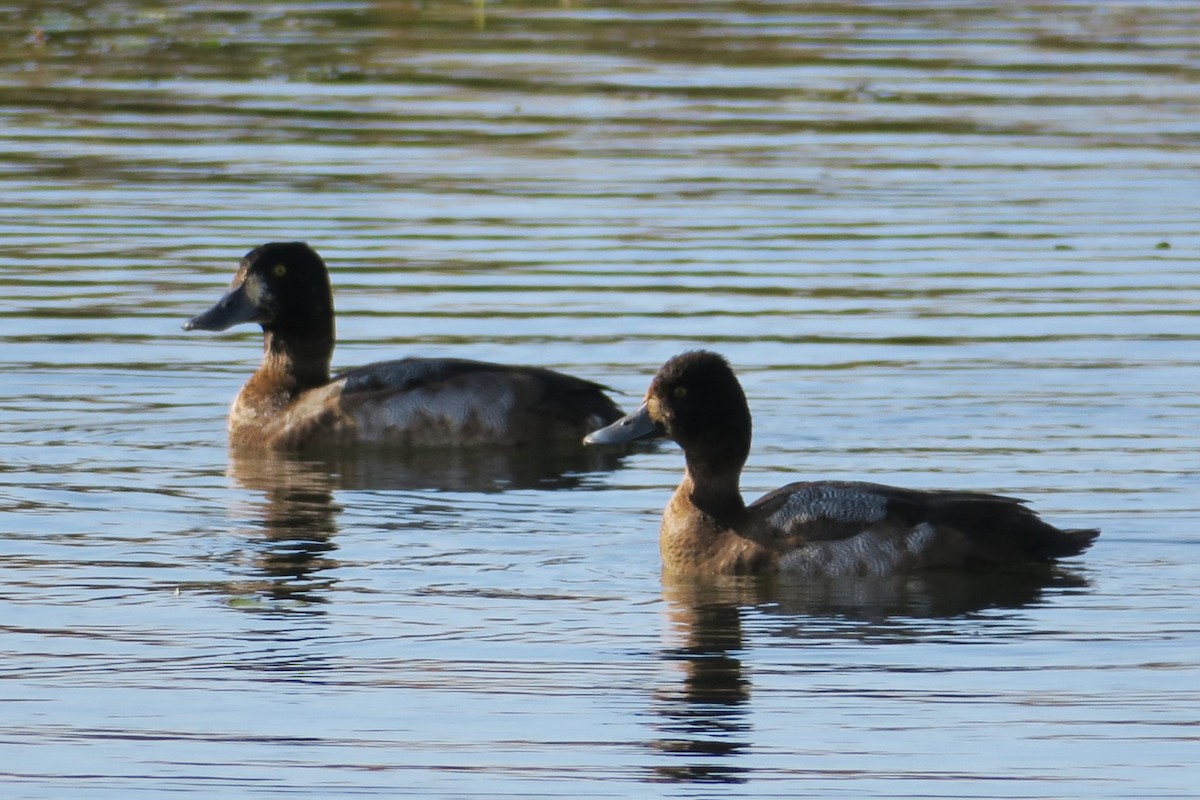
[
  {"x": 637, "y": 425},
  {"x": 234, "y": 308}
]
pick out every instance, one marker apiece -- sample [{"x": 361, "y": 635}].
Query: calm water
[{"x": 947, "y": 245}]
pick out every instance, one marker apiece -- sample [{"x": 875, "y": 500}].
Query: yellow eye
[{"x": 280, "y": 270}]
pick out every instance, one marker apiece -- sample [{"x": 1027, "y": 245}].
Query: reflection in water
[
  {"x": 705, "y": 718},
  {"x": 906, "y": 604},
  {"x": 299, "y": 516},
  {"x": 549, "y": 465},
  {"x": 298, "y": 520}
]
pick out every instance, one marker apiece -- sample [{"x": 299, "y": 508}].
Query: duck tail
[
  {"x": 1071, "y": 542},
  {"x": 1003, "y": 530}
]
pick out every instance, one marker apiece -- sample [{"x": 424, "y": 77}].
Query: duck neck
[
  {"x": 714, "y": 489},
  {"x": 296, "y": 362}
]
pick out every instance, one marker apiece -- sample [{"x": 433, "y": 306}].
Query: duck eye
[
  {"x": 680, "y": 392},
  {"x": 280, "y": 270}
]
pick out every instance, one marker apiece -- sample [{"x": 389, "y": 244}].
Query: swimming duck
[
  {"x": 817, "y": 528},
  {"x": 291, "y": 402}
]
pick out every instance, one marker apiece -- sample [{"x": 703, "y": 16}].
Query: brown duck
[
  {"x": 814, "y": 528},
  {"x": 291, "y": 402}
]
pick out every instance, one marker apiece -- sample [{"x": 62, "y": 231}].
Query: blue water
[{"x": 943, "y": 245}]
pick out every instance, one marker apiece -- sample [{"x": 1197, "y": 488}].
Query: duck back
[
  {"x": 423, "y": 402},
  {"x": 867, "y": 528}
]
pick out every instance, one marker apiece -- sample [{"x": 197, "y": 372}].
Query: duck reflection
[
  {"x": 703, "y": 721},
  {"x": 298, "y": 519},
  {"x": 551, "y": 466},
  {"x": 299, "y": 513},
  {"x": 704, "y": 711}
]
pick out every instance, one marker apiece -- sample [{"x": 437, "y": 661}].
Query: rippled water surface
[{"x": 944, "y": 244}]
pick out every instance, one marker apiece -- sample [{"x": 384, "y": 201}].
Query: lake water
[{"x": 944, "y": 244}]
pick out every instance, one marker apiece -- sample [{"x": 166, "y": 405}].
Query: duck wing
[
  {"x": 884, "y": 528},
  {"x": 459, "y": 401}
]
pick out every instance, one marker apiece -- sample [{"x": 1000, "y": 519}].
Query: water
[{"x": 943, "y": 244}]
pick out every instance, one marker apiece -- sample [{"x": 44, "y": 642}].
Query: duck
[
  {"x": 818, "y": 528},
  {"x": 292, "y": 402}
]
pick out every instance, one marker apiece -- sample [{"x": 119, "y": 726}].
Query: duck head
[
  {"x": 696, "y": 401},
  {"x": 282, "y": 286}
]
